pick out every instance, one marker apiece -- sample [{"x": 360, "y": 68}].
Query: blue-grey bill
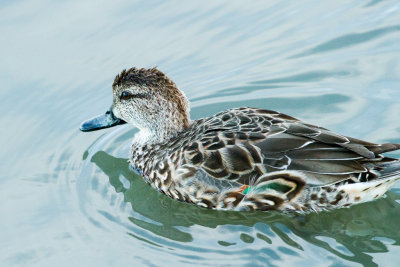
[{"x": 100, "y": 122}]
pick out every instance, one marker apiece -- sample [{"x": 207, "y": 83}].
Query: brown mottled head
[
  {"x": 146, "y": 77},
  {"x": 151, "y": 101}
]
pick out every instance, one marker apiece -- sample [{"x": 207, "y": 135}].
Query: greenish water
[{"x": 68, "y": 198}]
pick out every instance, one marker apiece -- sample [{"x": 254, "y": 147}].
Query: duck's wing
[{"x": 242, "y": 145}]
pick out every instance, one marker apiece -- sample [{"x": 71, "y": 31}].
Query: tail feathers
[
  {"x": 388, "y": 173},
  {"x": 384, "y": 175},
  {"x": 390, "y": 170},
  {"x": 368, "y": 191},
  {"x": 383, "y": 148}
]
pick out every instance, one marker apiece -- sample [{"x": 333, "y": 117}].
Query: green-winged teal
[{"x": 242, "y": 158}]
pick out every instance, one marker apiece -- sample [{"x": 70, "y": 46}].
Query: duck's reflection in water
[{"x": 350, "y": 233}]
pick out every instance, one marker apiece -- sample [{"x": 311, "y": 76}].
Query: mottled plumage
[{"x": 246, "y": 158}]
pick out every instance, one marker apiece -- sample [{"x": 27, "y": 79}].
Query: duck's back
[{"x": 250, "y": 158}]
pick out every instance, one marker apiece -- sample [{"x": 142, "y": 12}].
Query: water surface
[{"x": 68, "y": 198}]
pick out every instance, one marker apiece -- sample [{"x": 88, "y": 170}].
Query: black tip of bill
[{"x": 106, "y": 120}]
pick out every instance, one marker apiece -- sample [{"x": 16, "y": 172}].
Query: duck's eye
[{"x": 125, "y": 95}]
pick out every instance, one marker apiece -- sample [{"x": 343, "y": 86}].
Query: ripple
[
  {"x": 118, "y": 204},
  {"x": 349, "y": 40},
  {"x": 69, "y": 197}
]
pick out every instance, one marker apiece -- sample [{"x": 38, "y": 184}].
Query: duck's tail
[{"x": 387, "y": 174}]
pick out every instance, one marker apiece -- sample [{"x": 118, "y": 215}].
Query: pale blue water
[{"x": 68, "y": 198}]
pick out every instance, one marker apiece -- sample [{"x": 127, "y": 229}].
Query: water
[{"x": 68, "y": 198}]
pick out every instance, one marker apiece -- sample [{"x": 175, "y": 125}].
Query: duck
[{"x": 241, "y": 159}]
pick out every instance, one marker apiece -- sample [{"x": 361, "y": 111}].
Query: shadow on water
[{"x": 351, "y": 234}]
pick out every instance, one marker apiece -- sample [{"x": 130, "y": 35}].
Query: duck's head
[{"x": 149, "y": 100}]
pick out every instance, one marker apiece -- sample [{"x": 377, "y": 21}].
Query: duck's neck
[
  {"x": 160, "y": 132},
  {"x": 167, "y": 122}
]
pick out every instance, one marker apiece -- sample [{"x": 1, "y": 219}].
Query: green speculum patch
[{"x": 274, "y": 186}]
